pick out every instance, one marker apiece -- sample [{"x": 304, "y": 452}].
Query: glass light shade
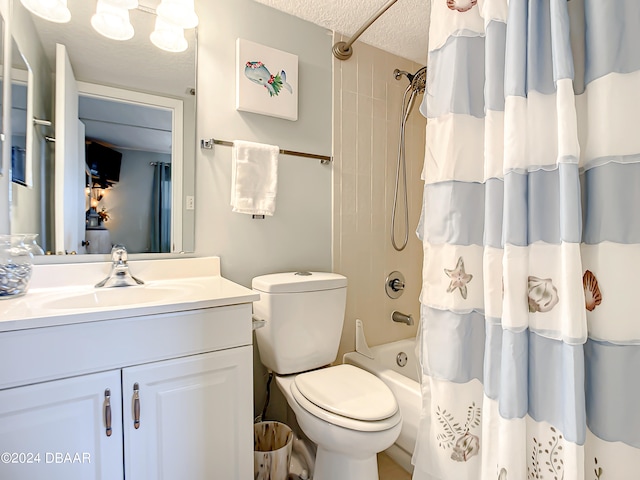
[
  {"x": 180, "y": 12},
  {"x": 128, "y": 4},
  {"x": 168, "y": 36},
  {"x": 52, "y": 10},
  {"x": 112, "y": 22}
]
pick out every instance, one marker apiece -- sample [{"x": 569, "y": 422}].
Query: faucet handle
[
  {"x": 394, "y": 284},
  {"x": 119, "y": 254}
]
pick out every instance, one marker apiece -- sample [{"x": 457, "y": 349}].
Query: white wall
[
  {"x": 188, "y": 171},
  {"x": 298, "y": 236},
  {"x": 128, "y": 202}
]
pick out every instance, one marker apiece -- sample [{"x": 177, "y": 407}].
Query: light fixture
[
  {"x": 168, "y": 36},
  {"x": 180, "y": 12},
  {"x": 52, "y": 10},
  {"x": 98, "y": 191},
  {"x": 112, "y": 21}
]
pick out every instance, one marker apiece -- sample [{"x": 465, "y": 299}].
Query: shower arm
[{"x": 343, "y": 50}]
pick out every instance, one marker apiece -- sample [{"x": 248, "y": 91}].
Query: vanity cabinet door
[
  {"x": 190, "y": 417},
  {"x": 58, "y": 429}
]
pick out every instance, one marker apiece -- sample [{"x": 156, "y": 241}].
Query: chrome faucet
[
  {"x": 119, "y": 275},
  {"x": 400, "y": 317}
]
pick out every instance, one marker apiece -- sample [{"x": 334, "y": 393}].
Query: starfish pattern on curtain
[{"x": 532, "y": 188}]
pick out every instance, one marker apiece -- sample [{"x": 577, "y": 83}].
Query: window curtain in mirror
[
  {"x": 161, "y": 208},
  {"x": 530, "y": 333}
]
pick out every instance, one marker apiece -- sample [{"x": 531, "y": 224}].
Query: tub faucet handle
[{"x": 396, "y": 284}]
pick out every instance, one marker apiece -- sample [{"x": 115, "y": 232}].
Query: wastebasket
[{"x": 272, "y": 443}]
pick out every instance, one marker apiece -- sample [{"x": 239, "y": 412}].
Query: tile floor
[{"x": 390, "y": 470}]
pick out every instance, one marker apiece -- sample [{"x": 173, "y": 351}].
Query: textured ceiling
[{"x": 401, "y": 30}]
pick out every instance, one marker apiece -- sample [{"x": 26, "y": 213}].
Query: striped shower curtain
[{"x": 530, "y": 329}]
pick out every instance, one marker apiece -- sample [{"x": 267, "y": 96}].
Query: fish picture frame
[{"x": 266, "y": 80}]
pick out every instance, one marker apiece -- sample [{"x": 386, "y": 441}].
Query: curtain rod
[
  {"x": 324, "y": 159},
  {"x": 343, "y": 50}
]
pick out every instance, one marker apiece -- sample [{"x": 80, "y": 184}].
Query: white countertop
[{"x": 61, "y": 294}]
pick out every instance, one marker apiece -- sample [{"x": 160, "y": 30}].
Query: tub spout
[{"x": 401, "y": 317}]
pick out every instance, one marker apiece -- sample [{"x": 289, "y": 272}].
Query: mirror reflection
[
  {"x": 1, "y": 89},
  {"x": 19, "y": 87},
  {"x": 129, "y": 177},
  {"x": 26, "y": 173},
  {"x": 124, "y": 127}
]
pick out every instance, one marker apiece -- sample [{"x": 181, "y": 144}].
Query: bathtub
[{"x": 404, "y": 382}]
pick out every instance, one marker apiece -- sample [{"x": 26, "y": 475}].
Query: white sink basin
[
  {"x": 117, "y": 297},
  {"x": 64, "y": 294}
]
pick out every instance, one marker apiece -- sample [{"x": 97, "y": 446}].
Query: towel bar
[{"x": 324, "y": 159}]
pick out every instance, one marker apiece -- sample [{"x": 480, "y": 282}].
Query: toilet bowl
[
  {"x": 347, "y": 447},
  {"x": 349, "y": 413}
]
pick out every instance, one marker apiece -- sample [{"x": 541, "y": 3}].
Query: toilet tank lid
[{"x": 295, "y": 282}]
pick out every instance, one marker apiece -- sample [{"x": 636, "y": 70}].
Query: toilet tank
[{"x": 304, "y": 313}]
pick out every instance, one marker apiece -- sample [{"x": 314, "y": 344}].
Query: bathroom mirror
[
  {"x": 127, "y": 77},
  {"x": 20, "y": 75},
  {"x": 2, "y": 75}
]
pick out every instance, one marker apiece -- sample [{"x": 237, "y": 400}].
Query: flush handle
[
  {"x": 257, "y": 322},
  {"x": 107, "y": 412},
  {"x": 136, "y": 406}
]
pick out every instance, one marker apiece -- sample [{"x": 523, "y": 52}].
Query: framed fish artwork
[{"x": 266, "y": 80}]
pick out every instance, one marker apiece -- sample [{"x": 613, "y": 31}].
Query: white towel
[{"x": 254, "y": 178}]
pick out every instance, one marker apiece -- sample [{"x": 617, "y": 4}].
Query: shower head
[{"x": 417, "y": 81}]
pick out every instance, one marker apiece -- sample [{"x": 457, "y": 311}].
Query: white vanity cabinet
[
  {"x": 192, "y": 415},
  {"x": 176, "y": 387},
  {"x": 56, "y": 430}
]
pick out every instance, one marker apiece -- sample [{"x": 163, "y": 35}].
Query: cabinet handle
[
  {"x": 107, "y": 411},
  {"x": 136, "y": 406}
]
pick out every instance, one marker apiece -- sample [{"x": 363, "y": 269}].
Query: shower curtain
[
  {"x": 530, "y": 333},
  {"x": 161, "y": 208}
]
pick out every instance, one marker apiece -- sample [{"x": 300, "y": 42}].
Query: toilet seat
[
  {"x": 347, "y": 396},
  {"x": 348, "y": 391}
]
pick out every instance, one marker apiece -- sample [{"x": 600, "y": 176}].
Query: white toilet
[{"x": 349, "y": 413}]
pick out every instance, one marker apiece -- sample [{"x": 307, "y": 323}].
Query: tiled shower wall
[{"x": 366, "y": 131}]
